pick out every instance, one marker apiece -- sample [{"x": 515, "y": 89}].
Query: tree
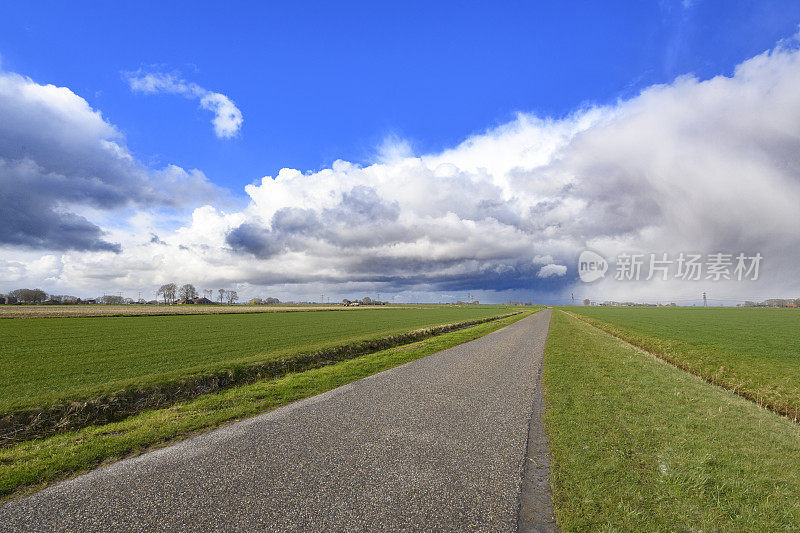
[
  {"x": 187, "y": 292},
  {"x": 231, "y": 296},
  {"x": 272, "y": 301},
  {"x": 168, "y": 292},
  {"x": 62, "y": 298},
  {"x": 222, "y": 295},
  {"x": 29, "y": 296}
]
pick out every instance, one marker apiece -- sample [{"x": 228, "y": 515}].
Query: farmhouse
[{"x": 195, "y": 301}]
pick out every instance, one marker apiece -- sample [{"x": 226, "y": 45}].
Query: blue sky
[
  {"x": 321, "y": 81},
  {"x": 428, "y": 150}
]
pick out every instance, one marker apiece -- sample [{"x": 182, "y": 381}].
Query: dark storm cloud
[
  {"x": 360, "y": 220},
  {"x": 58, "y": 154}
]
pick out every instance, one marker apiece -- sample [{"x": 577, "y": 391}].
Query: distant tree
[
  {"x": 29, "y": 296},
  {"x": 63, "y": 298},
  {"x": 208, "y": 293},
  {"x": 168, "y": 291},
  {"x": 272, "y": 301},
  {"x": 111, "y": 299},
  {"x": 222, "y": 295},
  {"x": 586, "y": 301},
  {"x": 231, "y": 297},
  {"x": 187, "y": 292},
  {"x": 345, "y": 302}
]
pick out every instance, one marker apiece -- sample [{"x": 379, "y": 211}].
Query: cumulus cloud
[
  {"x": 59, "y": 156},
  {"x": 227, "y": 119},
  {"x": 551, "y": 270},
  {"x": 694, "y": 166}
]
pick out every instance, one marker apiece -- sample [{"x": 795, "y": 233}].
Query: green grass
[
  {"x": 754, "y": 351},
  {"x": 32, "y": 464},
  {"x": 640, "y": 445},
  {"x": 54, "y": 359}
]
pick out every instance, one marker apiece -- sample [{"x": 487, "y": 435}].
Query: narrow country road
[{"x": 438, "y": 444}]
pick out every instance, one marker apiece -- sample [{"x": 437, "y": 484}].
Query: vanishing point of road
[{"x": 449, "y": 442}]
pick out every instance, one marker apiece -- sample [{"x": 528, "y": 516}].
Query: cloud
[
  {"x": 551, "y": 270},
  {"x": 59, "y": 156},
  {"x": 227, "y": 119},
  {"x": 693, "y": 165}
]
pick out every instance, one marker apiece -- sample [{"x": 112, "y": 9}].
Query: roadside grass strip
[
  {"x": 640, "y": 445},
  {"x": 753, "y": 352},
  {"x": 33, "y": 464}
]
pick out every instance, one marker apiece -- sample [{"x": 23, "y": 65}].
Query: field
[
  {"x": 753, "y": 351},
  {"x": 41, "y": 311},
  {"x": 47, "y": 360},
  {"x": 640, "y": 445},
  {"x": 32, "y": 464}
]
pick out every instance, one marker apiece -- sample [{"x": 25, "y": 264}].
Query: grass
[
  {"x": 753, "y": 351},
  {"x": 640, "y": 445},
  {"x": 44, "y": 361},
  {"x": 33, "y": 464},
  {"x": 44, "y": 311}
]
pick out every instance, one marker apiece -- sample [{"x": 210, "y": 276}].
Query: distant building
[{"x": 194, "y": 301}]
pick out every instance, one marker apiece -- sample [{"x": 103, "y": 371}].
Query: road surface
[{"x": 439, "y": 444}]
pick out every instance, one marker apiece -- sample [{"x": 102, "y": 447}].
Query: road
[{"x": 439, "y": 444}]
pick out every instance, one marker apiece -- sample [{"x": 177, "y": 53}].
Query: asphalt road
[{"x": 438, "y": 444}]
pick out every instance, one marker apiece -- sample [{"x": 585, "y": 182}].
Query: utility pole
[{"x": 705, "y": 300}]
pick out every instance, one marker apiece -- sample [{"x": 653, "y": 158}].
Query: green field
[
  {"x": 754, "y": 351},
  {"x": 52, "y": 359},
  {"x": 640, "y": 445},
  {"x": 32, "y": 464}
]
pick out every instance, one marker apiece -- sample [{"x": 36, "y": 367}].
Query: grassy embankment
[
  {"x": 640, "y": 445},
  {"x": 33, "y": 464},
  {"x": 752, "y": 351}
]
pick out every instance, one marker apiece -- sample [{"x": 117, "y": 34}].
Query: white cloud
[
  {"x": 694, "y": 165},
  {"x": 551, "y": 270},
  {"x": 227, "y": 119},
  {"x": 60, "y": 159}
]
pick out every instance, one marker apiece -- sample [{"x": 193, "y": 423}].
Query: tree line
[{"x": 171, "y": 293}]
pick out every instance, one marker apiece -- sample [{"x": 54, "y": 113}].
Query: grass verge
[
  {"x": 33, "y": 464},
  {"x": 640, "y": 445},
  {"x": 753, "y": 352}
]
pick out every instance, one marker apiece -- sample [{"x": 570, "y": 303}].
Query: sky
[{"x": 418, "y": 152}]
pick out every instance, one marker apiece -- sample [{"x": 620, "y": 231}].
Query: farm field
[
  {"x": 45, "y": 360},
  {"x": 754, "y": 351},
  {"x": 639, "y": 445},
  {"x": 42, "y": 311},
  {"x": 32, "y": 464}
]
